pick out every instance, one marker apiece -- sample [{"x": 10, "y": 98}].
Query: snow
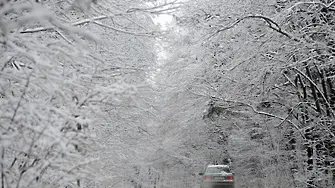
[{"x": 130, "y": 94}]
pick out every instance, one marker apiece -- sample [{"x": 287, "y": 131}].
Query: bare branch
[
  {"x": 290, "y": 81},
  {"x": 21, "y": 98},
  {"x": 123, "y": 31},
  {"x": 262, "y": 113},
  {"x": 313, "y": 3},
  {"x": 305, "y": 60},
  {"x": 2, "y": 168},
  {"x": 272, "y": 24},
  {"x": 39, "y": 29},
  {"x": 61, "y": 34},
  {"x": 289, "y": 114},
  {"x": 87, "y": 98},
  {"x": 81, "y": 22},
  {"x": 316, "y": 87},
  {"x": 163, "y": 8}
]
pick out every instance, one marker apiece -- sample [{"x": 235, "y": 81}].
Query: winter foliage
[
  {"x": 265, "y": 69},
  {"x": 68, "y": 68},
  {"x": 96, "y": 93}
]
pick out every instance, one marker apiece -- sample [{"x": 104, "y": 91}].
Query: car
[{"x": 217, "y": 176}]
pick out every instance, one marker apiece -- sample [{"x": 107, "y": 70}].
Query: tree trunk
[
  {"x": 2, "y": 168},
  {"x": 325, "y": 93},
  {"x": 315, "y": 97}
]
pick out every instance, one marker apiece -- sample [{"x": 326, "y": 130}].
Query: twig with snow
[
  {"x": 316, "y": 87},
  {"x": 272, "y": 24}
]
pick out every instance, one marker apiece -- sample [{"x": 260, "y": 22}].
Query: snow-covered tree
[
  {"x": 266, "y": 67},
  {"x": 70, "y": 71}
]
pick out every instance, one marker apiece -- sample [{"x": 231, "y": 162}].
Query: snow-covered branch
[
  {"x": 81, "y": 22},
  {"x": 272, "y": 24},
  {"x": 158, "y": 9}
]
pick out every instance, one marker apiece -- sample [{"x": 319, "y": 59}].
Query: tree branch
[
  {"x": 87, "y": 98},
  {"x": 263, "y": 113},
  {"x": 2, "y": 168},
  {"x": 313, "y": 3},
  {"x": 290, "y": 81},
  {"x": 39, "y": 29},
  {"x": 21, "y": 98},
  {"x": 61, "y": 34},
  {"x": 81, "y": 22},
  {"x": 163, "y": 8},
  {"x": 272, "y": 24},
  {"x": 316, "y": 87},
  {"x": 122, "y": 31}
]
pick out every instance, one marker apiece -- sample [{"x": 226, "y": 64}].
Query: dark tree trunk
[
  {"x": 325, "y": 93},
  {"x": 314, "y": 94},
  {"x": 2, "y": 169}
]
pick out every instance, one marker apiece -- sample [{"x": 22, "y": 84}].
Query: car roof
[{"x": 218, "y": 166}]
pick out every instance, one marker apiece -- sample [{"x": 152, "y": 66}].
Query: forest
[{"x": 146, "y": 93}]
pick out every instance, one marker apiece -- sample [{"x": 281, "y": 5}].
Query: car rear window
[{"x": 217, "y": 169}]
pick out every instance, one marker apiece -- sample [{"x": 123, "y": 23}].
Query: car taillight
[
  {"x": 208, "y": 177},
  {"x": 230, "y": 178}
]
